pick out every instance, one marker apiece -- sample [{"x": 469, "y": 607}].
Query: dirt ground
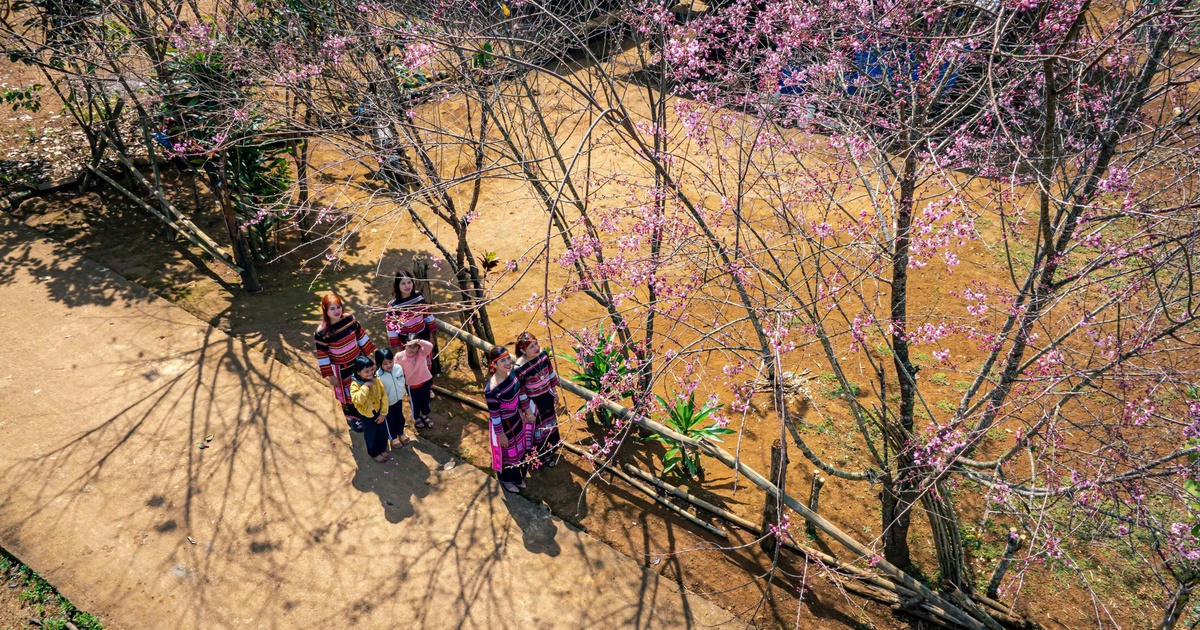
[{"x": 281, "y": 319}]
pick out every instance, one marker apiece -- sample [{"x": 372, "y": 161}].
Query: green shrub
[{"x": 685, "y": 418}]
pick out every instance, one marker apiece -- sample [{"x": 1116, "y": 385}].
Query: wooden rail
[{"x": 930, "y": 601}]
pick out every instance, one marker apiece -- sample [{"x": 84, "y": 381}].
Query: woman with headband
[
  {"x": 536, "y": 372},
  {"x": 511, "y": 420}
]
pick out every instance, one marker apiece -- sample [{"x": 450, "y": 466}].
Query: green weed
[
  {"x": 37, "y": 590},
  {"x": 835, "y": 392},
  {"x": 43, "y": 598}
]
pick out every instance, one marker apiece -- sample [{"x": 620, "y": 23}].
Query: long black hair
[{"x": 404, "y": 273}]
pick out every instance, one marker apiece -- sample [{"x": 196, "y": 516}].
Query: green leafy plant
[
  {"x": 685, "y": 418},
  {"x": 489, "y": 260},
  {"x": 835, "y": 391},
  {"x": 484, "y": 58},
  {"x": 939, "y": 379},
  {"x": 36, "y": 590},
  {"x": 213, "y": 119},
  {"x": 598, "y": 368},
  {"x": 27, "y": 98},
  {"x": 43, "y": 597},
  {"x": 88, "y": 621}
]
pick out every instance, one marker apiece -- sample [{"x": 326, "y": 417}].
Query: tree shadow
[
  {"x": 396, "y": 482},
  {"x": 538, "y": 528}
]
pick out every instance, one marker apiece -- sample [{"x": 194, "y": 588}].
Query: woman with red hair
[{"x": 340, "y": 339}]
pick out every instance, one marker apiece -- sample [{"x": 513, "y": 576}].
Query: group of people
[{"x": 372, "y": 384}]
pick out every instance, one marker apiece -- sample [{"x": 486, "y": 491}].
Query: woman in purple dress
[
  {"x": 536, "y": 372},
  {"x": 511, "y": 420}
]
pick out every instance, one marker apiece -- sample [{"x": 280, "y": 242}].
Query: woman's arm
[
  {"x": 324, "y": 363},
  {"x": 363, "y": 339},
  {"x": 524, "y": 403},
  {"x": 493, "y": 405}
]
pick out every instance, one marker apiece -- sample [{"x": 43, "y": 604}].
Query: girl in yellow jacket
[{"x": 371, "y": 401}]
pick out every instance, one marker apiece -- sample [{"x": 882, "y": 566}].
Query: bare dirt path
[{"x": 108, "y": 391}]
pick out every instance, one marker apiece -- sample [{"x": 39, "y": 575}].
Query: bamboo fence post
[
  {"x": 717, "y": 531},
  {"x": 868, "y": 584},
  {"x": 195, "y": 239},
  {"x": 170, "y": 210},
  {"x": 814, "y": 499},
  {"x": 772, "y": 508},
  {"x": 459, "y": 397},
  {"x": 964, "y": 601}
]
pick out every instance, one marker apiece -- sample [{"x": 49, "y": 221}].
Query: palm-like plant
[
  {"x": 685, "y": 418},
  {"x": 600, "y": 368}
]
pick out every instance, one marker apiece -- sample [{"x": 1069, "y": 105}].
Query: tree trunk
[
  {"x": 241, "y": 252},
  {"x": 1177, "y": 605},
  {"x": 1010, "y": 550},
  {"x": 897, "y": 518},
  {"x": 300, "y": 152},
  {"x": 773, "y": 508},
  {"x": 814, "y": 501},
  {"x": 898, "y": 496}
]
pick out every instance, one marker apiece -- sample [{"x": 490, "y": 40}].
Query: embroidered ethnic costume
[
  {"x": 540, "y": 382},
  {"x": 337, "y": 347},
  {"x": 407, "y": 316},
  {"x": 504, "y": 402}
]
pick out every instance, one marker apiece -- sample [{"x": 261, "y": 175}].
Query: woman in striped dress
[
  {"x": 339, "y": 340},
  {"x": 536, "y": 372},
  {"x": 511, "y": 420},
  {"x": 409, "y": 314}
]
